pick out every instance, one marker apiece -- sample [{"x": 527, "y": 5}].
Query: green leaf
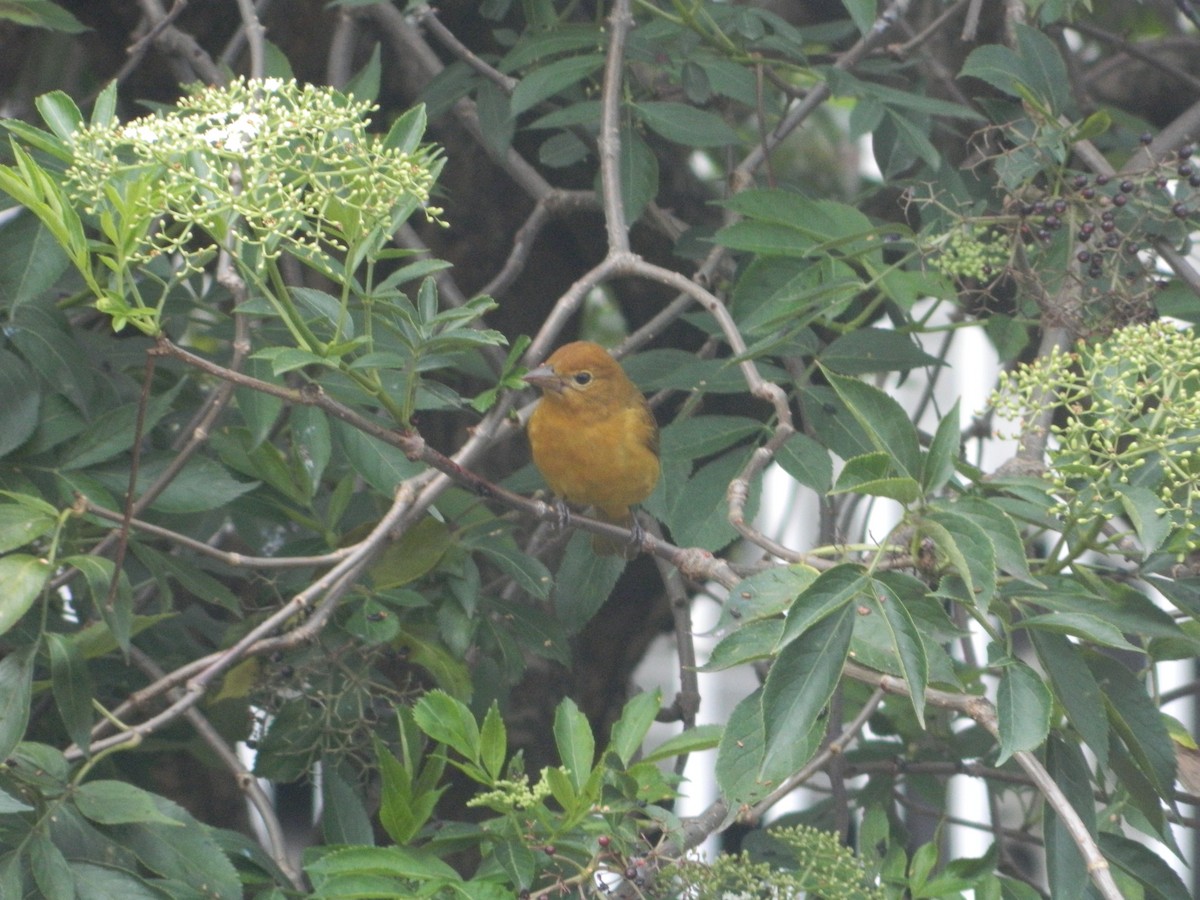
[
  {"x": 448, "y": 721},
  {"x": 1001, "y": 531},
  {"x": 188, "y": 854},
  {"x": 10, "y": 804},
  {"x": 906, "y": 640},
  {"x": 119, "y": 803},
  {"x": 529, "y": 573},
  {"x": 1035, "y": 65},
  {"x": 1066, "y": 869},
  {"x": 410, "y": 788},
  {"x": 937, "y": 468},
  {"x": 862, "y": 12},
  {"x": 51, "y": 872},
  {"x": 967, "y": 548},
  {"x": 799, "y": 685},
  {"x": 638, "y": 169},
  {"x": 543, "y": 83},
  {"x": 884, "y": 421},
  {"x": 111, "y": 433},
  {"x": 72, "y": 686},
  {"x": 685, "y": 124},
  {"x": 1141, "y": 507},
  {"x": 1133, "y": 715},
  {"x": 867, "y": 350},
  {"x": 381, "y": 465},
  {"x": 806, "y": 461},
  {"x": 23, "y": 523},
  {"x": 1075, "y": 688},
  {"x": 1089, "y": 627},
  {"x": 583, "y": 582},
  {"x": 699, "y": 436},
  {"x": 493, "y": 742},
  {"x": 694, "y": 740},
  {"x": 16, "y": 692},
  {"x": 1145, "y": 866},
  {"x": 497, "y": 121},
  {"x": 754, "y": 640},
  {"x": 59, "y": 111},
  {"x": 629, "y": 731},
  {"x": 876, "y": 475},
  {"x": 344, "y": 819},
  {"x": 41, "y": 14},
  {"x": 516, "y": 860},
  {"x": 1023, "y": 710},
  {"x": 740, "y": 754},
  {"x": 31, "y": 261},
  {"x": 576, "y": 746},
  {"x": 23, "y": 577},
  {"x": 364, "y": 85},
  {"x": 20, "y": 399},
  {"x": 407, "y": 131},
  {"x": 392, "y": 862},
  {"x": 98, "y": 574},
  {"x": 833, "y": 590}
]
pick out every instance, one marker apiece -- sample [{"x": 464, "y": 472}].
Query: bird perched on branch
[{"x": 594, "y": 438}]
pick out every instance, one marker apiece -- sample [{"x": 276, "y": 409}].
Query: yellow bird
[{"x": 593, "y": 437}]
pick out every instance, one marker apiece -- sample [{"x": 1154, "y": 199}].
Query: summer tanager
[{"x": 593, "y": 437}]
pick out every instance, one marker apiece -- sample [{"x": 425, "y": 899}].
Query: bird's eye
[{"x": 582, "y": 378}]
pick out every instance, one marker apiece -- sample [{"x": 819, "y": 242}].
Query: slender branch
[
  {"x": 982, "y": 711},
  {"x": 616, "y": 226},
  {"x": 246, "y": 781}
]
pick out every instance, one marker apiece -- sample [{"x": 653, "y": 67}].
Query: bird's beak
[{"x": 545, "y": 378}]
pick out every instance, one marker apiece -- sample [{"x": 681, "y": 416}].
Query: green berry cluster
[
  {"x": 1126, "y": 442},
  {"x": 972, "y": 251},
  {"x": 806, "y": 862}
]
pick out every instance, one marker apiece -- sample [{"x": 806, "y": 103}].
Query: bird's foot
[
  {"x": 636, "y": 533},
  {"x": 562, "y": 514}
]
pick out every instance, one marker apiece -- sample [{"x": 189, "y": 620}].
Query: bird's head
[{"x": 581, "y": 375}]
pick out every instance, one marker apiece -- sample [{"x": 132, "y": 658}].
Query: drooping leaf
[{"x": 799, "y": 685}]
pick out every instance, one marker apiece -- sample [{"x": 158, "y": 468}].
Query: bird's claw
[
  {"x": 562, "y": 514},
  {"x": 636, "y": 533}
]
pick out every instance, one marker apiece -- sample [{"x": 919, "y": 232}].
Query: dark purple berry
[
  {"x": 1194, "y": 181},
  {"x": 1043, "y": 234},
  {"x": 1080, "y": 181},
  {"x": 1060, "y": 206},
  {"x": 1160, "y": 182},
  {"x": 1112, "y": 240},
  {"x": 1039, "y": 208},
  {"x": 1181, "y": 210},
  {"x": 1120, "y": 200},
  {"x": 1052, "y": 222},
  {"x": 1102, "y": 180},
  {"x": 1146, "y": 137},
  {"x": 1126, "y": 186},
  {"x": 1106, "y": 216},
  {"x": 1185, "y": 151},
  {"x": 1083, "y": 256},
  {"x": 1133, "y": 247},
  {"x": 1089, "y": 193},
  {"x": 1108, "y": 225},
  {"x": 1095, "y": 272},
  {"x": 1185, "y": 169}
]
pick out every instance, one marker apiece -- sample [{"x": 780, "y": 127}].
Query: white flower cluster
[{"x": 269, "y": 164}]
